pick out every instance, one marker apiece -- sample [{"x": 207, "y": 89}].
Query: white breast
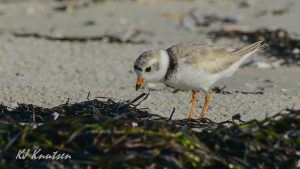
[{"x": 189, "y": 78}]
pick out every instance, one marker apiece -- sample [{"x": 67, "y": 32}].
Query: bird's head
[{"x": 151, "y": 66}]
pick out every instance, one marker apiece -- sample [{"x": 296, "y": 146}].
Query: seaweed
[
  {"x": 280, "y": 43},
  {"x": 106, "y": 37},
  {"x": 103, "y": 133},
  {"x": 192, "y": 20},
  {"x": 75, "y": 5},
  {"x": 219, "y": 90}
]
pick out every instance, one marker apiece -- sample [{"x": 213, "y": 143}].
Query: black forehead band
[{"x": 137, "y": 68}]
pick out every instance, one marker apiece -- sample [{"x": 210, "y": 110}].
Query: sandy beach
[{"x": 47, "y": 70}]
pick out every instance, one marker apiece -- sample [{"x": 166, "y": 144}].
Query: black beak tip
[{"x": 137, "y": 87}]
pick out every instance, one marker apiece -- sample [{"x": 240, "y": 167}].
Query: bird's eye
[{"x": 148, "y": 69}]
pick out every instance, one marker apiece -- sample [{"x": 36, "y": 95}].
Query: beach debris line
[
  {"x": 281, "y": 44},
  {"x": 110, "y": 38},
  {"x": 70, "y": 6},
  {"x": 103, "y": 133},
  {"x": 275, "y": 12},
  {"x": 219, "y": 90},
  {"x": 193, "y": 20},
  {"x": 96, "y": 110}
]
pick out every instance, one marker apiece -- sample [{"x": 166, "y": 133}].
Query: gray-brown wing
[
  {"x": 183, "y": 49},
  {"x": 211, "y": 58}
]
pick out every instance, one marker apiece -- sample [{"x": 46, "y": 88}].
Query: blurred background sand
[{"x": 40, "y": 70}]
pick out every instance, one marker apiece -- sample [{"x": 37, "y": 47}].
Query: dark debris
[
  {"x": 66, "y": 5},
  {"x": 106, "y": 38},
  {"x": 211, "y": 19},
  {"x": 219, "y": 90},
  {"x": 280, "y": 43},
  {"x": 116, "y": 134}
]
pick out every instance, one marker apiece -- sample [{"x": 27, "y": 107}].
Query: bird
[{"x": 192, "y": 66}]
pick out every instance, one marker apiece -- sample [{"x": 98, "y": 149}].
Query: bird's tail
[
  {"x": 250, "y": 49},
  {"x": 243, "y": 53}
]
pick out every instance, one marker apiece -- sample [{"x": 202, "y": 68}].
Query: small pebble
[
  {"x": 263, "y": 65},
  {"x": 55, "y": 115},
  {"x": 134, "y": 124}
]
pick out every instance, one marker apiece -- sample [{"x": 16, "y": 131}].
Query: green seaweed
[{"x": 100, "y": 134}]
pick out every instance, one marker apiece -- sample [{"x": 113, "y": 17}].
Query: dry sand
[{"x": 46, "y": 72}]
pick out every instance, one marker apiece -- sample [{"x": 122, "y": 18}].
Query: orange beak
[{"x": 139, "y": 83}]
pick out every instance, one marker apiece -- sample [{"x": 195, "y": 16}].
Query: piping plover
[{"x": 191, "y": 66}]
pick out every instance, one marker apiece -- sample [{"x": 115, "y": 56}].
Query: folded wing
[{"x": 211, "y": 58}]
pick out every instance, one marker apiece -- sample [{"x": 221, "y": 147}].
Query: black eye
[{"x": 148, "y": 69}]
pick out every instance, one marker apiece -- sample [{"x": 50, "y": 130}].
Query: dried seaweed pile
[
  {"x": 281, "y": 44},
  {"x": 95, "y": 110},
  {"x": 67, "y": 5},
  {"x": 128, "y": 37},
  {"x": 109, "y": 134}
]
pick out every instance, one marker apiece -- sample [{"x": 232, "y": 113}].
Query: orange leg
[
  {"x": 195, "y": 98},
  {"x": 207, "y": 101}
]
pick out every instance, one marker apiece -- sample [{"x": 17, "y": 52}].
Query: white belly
[{"x": 189, "y": 78}]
